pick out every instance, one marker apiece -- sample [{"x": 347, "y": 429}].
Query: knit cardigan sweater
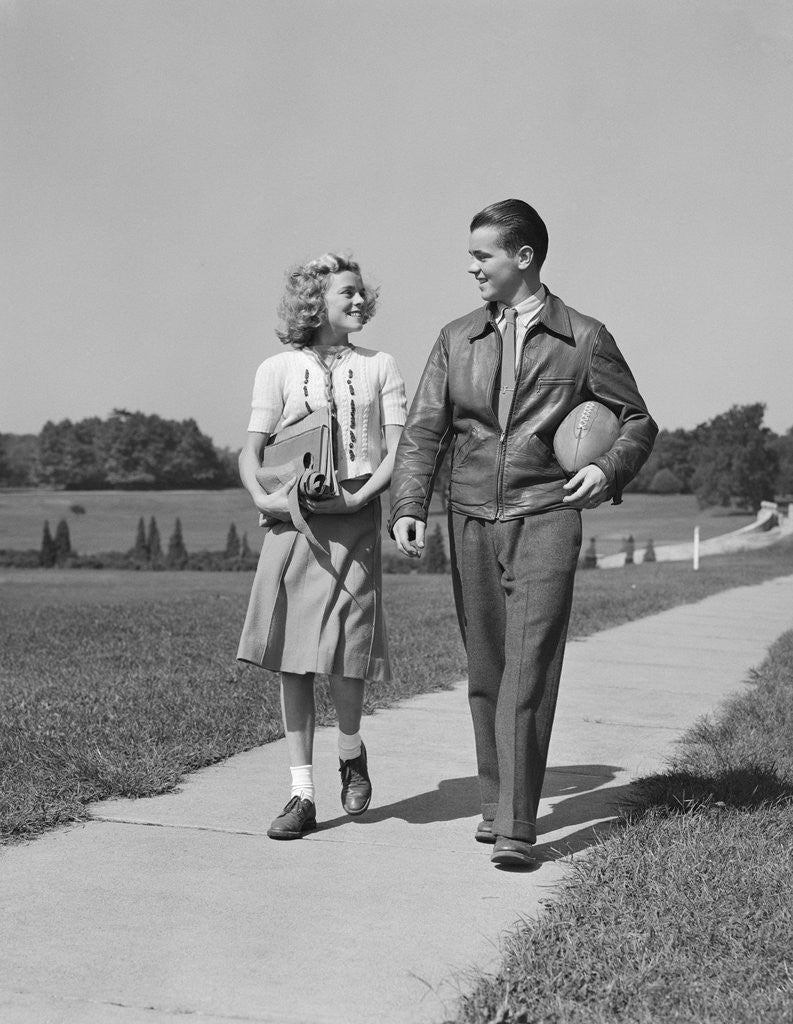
[{"x": 363, "y": 387}]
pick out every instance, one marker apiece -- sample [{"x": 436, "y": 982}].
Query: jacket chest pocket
[{"x": 555, "y": 382}]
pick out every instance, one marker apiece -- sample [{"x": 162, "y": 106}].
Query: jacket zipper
[
  {"x": 502, "y": 449},
  {"x": 502, "y": 441}
]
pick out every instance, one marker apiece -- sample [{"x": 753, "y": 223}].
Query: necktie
[{"x": 507, "y": 366}]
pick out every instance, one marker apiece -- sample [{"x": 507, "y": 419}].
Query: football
[{"x": 583, "y": 435}]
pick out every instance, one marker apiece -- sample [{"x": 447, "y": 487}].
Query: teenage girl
[{"x": 316, "y": 605}]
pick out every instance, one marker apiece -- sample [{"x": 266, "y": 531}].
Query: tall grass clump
[
  {"x": 112, "y": 697},
  {"x": 684, "y": 912}
]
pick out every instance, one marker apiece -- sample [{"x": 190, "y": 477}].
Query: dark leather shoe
[
  {"x": 299, "y": 816},
  {"x": 513, "y": 852},
  {"x": 484, "y": 832},
  {"x": 356, "y": 788}
]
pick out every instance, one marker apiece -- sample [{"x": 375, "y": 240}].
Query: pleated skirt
[{"x": 319, "y": 608}]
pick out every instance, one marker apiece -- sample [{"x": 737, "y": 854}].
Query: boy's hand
[
  {"x": 587, "y": 489},
  {"x": 409, "y": 536}
]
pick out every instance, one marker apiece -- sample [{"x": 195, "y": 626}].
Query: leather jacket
[{"x": 566, "y": 359}]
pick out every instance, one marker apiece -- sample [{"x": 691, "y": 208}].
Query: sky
[{"x": 163, "y": 162}]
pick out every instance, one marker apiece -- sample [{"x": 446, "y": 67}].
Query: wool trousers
[{"x": 513, "y": 588}]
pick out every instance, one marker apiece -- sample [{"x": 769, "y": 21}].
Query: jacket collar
[{"x": 553, "y": 315}]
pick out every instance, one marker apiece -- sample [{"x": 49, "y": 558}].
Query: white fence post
[{"x": 696, "y": 548}]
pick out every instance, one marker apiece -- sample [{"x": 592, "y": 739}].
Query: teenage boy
[{"x": 515, "y": 520}]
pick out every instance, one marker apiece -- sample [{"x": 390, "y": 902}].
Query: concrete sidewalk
[{"x": 179, "y": 905}]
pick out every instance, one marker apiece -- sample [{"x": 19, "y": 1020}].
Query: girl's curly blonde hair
[{"x": 302, "y": 306}]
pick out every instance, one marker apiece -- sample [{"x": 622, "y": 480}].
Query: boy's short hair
[{"x": 518, "y": 224}]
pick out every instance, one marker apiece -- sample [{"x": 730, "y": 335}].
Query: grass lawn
[
  {"x": 110, "y": 518},
  {"x": 117, "y": 683},
  {"x": 685, "y": 913}
]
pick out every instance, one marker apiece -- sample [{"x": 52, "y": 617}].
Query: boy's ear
[{"x": 525, "y": 256}]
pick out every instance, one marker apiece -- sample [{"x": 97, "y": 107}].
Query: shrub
[
  {"x": 90, "y": 562},
  {"x": 29, "y": 559},
  {"x": 590, "y": 560},
  {"x": 153, "y": 544},
  {"x": 140, "y": 550},
  {"x": 397, "y": 565},
  {"x": 434, "y": 559},
  {"x": 62, "y": 542},
  {"x": 177, "y": 552},
  {"x": 665, "y": 482},
  {"x": 204, "y": 561},
  {"x": 47, "y": 552},
  {"x": 232, "y": 543}
]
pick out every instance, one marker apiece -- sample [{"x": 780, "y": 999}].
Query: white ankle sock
[
  {"x": 303, "y": 781},
  {"x": 349, "y": 746}
]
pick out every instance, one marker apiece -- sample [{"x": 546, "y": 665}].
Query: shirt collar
[
  {"x": 553, "y": 315},
  {"x": 528, "y": 308}
]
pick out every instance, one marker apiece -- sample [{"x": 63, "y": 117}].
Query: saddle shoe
[
  {"x": 356, "y": 786},
  {"x": 298, "y": 817}
]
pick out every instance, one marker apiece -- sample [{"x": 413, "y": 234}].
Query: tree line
[
  {"x": 126, "y": 451},
  {"x": 730, "y": 460}
]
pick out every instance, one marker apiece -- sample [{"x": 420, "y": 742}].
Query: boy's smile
[{"x": 501, "y": 277}]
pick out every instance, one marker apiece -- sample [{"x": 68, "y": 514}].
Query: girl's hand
[
  {"x": 343, "y": 504},
  {"x": 276, "y": 504}
]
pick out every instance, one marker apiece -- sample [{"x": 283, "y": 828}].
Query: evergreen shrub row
[{"x": 147, "y": 553}]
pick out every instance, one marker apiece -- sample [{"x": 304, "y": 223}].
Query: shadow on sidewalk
[
  {"x": 453, "y": 799},
  {"x": 581, "y": 790},
  {"x": 590, "y": 803}
]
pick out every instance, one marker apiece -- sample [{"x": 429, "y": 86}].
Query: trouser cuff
[
  {"x": 513, "y": 828},
  {"x": 489, "y": 811}
]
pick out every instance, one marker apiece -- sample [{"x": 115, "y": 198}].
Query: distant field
[
  {"x": 111, "y": 517},
  {"x": 664, "y": 519}
]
